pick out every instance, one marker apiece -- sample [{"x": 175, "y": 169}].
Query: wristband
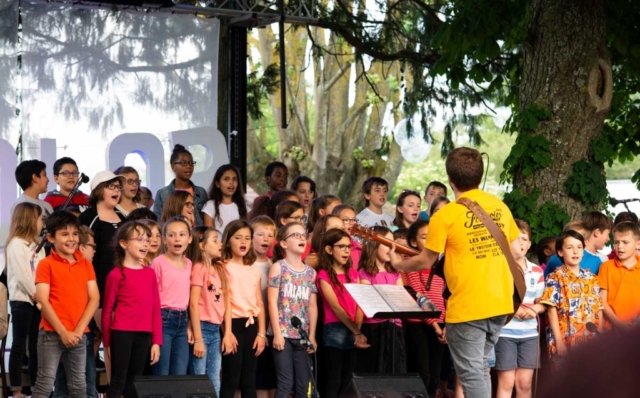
[
  {"x": 198, "y": 341},
  {"x": 262, "y": 335},
  {"x": 358, "y": 334}
]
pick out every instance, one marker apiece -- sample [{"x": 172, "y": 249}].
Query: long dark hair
[
  {"x": 124, "y": 233},
  {"x": 215, "y": 193},
  {"x": 266, "y": 206},
  {"x": 301, "y": 179},
  {"x": 319, "y": 203},
  {"x": 285, "y": 210},
  {"x": 399, "y": 220},
  {"x": 318, "y": 231},
  {"x": 368, "y": 256},
  {"x": 325, "y": 260},
  {"x": 412, "y": 232},
  {"x": 229, "y": 231}
]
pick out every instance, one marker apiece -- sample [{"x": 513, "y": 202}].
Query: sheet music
[
  {"x": 368, "y": 299},
  {"x": 397, "y": 298}
]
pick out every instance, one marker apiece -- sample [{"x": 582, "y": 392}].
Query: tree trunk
[{"x": 566, "y": 72}]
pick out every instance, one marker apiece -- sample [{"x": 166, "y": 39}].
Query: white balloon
[
  {"x": 401, "y": 132},
  {"x": 416, "y": 154}
]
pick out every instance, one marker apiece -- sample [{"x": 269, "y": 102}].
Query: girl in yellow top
[{"x": 244, "y": 326}]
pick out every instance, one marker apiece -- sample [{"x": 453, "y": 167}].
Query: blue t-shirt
[
  {"x": 424, "y": 216},
  {"x": 590, "y": 262}
]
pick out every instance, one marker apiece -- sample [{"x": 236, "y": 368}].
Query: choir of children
[{"x": 220, "y": 291}]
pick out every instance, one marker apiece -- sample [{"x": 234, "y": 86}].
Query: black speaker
[
  {"x": 386, "y": 386},
  {"x": 173, "y": 387}
]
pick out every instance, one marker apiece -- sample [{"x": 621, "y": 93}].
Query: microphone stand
[
  {"x": 312, "y": 367},
  {"x": 73, "y": 193}
]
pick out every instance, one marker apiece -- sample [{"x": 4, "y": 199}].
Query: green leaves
[
  {"x": 530, "y": 153},
  {"x": 587, "y": 183},
  {"x": 547, "y": 220}
]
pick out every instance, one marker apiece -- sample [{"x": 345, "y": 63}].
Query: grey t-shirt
[{"x": 46, "y": 207}]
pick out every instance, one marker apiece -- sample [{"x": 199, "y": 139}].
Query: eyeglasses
[
  {"x": 344, "y": 247},
  {"x": 134, "y": 182},
  {"x": 142, "y": 240},
  {"x": 91, "y": 245},
  {"x": 115, "y": 187},
  {"x": 349, "y": 220},
  {"x": 296, "y": 219},
  {"x": 297, "y": 235},
  {"x": 189, "y": 205},
  {"x": 68, "y": 174},
  {"x": 185, "y": 163}
]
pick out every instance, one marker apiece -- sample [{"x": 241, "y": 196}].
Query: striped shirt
[
  {"x": 517, "y": 329},
  {"x": 418, "y": 281}
]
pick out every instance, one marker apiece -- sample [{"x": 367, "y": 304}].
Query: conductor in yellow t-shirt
[{"x": 475, "y": 269}]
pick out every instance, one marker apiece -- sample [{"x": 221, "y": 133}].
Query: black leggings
[
  {"x": 239, "y": 369},
  {"x": 129, "y": 354},
  {"x": 339, "y": 369},
  {"x": 26, "y": 320},
  {"x": 423, "y": 345}
]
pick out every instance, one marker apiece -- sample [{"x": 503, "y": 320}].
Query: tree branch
[{"x": 337, "y": 77}]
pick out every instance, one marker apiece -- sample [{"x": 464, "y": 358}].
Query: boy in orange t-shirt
[
  {"x": 619, "y": 278},
  {"x": 67, "y": 290}
]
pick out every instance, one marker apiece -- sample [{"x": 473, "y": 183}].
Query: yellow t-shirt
[{"x": 476, "y": 270}]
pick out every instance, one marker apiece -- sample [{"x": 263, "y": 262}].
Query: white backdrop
[{"x": 107, "y": 89}]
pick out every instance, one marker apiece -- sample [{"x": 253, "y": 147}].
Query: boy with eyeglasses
[{"x": 66, "y": 174}]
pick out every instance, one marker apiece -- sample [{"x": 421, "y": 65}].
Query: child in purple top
[
  {"x": 342, "y": 317},
  {"x": 292, "y": 293},
  {"x": 131, "y": 295},
  {"x": 375, "y": 269}
]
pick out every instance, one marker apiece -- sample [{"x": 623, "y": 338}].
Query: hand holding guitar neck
[{"x": 367, "y": 234}]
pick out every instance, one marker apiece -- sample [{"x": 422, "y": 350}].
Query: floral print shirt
[
  {"x": 577, "y": 300},
  {"x": 294, "y": 292}
]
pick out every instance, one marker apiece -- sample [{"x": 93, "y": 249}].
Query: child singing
[
  {"x": 375, "y": 269},
  {"x": 226, "y": 199},
  {"x": 131, "y": 321},
  {"x": 244, "y": 337},
  {"x": 173, "y": 272},
  {"x": 342, "y": 317},
  {"x": 292, "y": 293},
  {"x": 21, "y": 259},
  {"x": 208, "y": 303},
  {"x": 572, "y": 296}
]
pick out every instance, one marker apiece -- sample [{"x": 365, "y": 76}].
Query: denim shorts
[
  {"x": 337, "y": 335},
  {"x": 517, "y": 353}
]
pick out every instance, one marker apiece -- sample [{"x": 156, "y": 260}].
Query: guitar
[{"x": 365, "y": 233}]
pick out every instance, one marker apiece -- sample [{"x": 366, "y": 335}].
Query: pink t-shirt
[
  {"x": 381, "y": 278},
  {"x": 211, "y": 302},
  {"x": 244, "y": 283},
  {"x": 174, "y": 284},
  {"x": 344, "y": 298},
  {"x": 136, "y": 301}
]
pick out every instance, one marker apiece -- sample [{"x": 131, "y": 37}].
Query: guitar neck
[
  {"x": 367, "y": 234},
  {"x": 402, "y": 249}
]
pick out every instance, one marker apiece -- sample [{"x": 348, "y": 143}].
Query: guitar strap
[{"x": 498, "y": 235}]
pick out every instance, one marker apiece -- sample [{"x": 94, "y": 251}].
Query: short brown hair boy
[{"x": 464, "y": 168}]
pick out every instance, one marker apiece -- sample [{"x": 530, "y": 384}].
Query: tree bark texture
[{"x": 565, "y": 71}]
